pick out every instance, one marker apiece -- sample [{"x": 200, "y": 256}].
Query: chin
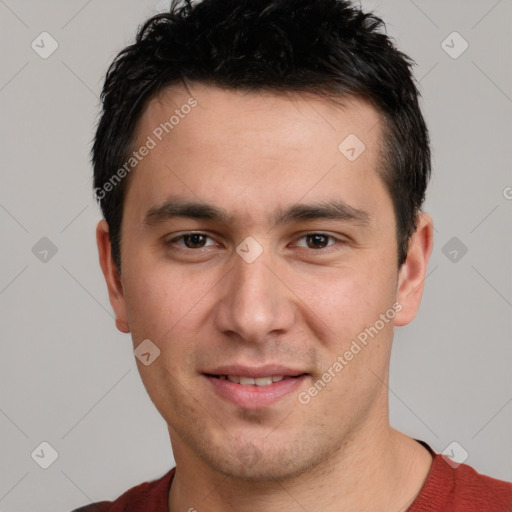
[{"x": 258, "y": 462}]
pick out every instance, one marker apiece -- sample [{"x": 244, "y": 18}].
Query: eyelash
[{"x": 174, "y": 241}]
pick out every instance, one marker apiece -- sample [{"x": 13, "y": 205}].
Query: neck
[{"x": 380, "y": 470}]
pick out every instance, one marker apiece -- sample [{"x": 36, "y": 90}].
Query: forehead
[
  {"x": 254, "y": 110},
  {"x": 234, "y": 147}
]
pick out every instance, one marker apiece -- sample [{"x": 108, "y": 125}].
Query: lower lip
[{"x": 254, "y": 397}]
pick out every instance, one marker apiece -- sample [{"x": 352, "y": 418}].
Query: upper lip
[{"x": 255, "y": 371}]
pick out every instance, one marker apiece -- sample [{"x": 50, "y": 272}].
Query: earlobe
[
  {"x": 112, "y": 277},
  {"x": 412, "y": 273}
]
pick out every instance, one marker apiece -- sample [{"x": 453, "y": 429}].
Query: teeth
[
  {"x": 263, "y": 381},
  {"x": 249, "y": 381}
]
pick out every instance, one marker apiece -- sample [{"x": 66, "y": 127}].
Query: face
[{"x": 260, "y": 259}]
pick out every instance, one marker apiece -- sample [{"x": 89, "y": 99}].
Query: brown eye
[
  {"x": 317, "y": 241},
  {"x": 194, "y": 240},
  {"x": 190, "y": 241}
]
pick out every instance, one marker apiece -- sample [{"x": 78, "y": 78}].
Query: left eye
[
  {"x": 316, "y": 240},
  {"x": 193, "y": 240}
]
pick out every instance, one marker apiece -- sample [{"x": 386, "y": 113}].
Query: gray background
[{"x": 69, "y": 378}]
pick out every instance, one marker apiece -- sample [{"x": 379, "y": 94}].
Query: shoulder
[
  {"x": 451, "y": 487},
  {"x": 152, "y": 494},
  {"x": 473, "y": 489}
]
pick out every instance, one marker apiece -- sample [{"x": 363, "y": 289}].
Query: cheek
[
  {"x": 162, "y": 301},
  {"x": 149, "y": 303},
  {"x": 347, "y": 301}
]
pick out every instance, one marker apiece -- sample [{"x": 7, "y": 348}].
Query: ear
[
  {"x": 112, "y": 277},
  {"x": 411, "y": 276}
]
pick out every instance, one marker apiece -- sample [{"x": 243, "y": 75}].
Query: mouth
[
  {"x": 254, "y": 381},
  {"x": 254, "y": 388}
]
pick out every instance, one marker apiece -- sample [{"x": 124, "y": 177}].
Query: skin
[{"x": 300, "y": 304}]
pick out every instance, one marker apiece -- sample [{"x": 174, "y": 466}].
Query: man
[{"x": 261, "y": 166}]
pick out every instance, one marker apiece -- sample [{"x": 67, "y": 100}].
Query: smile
[
  {"x": 252, "y": 390},
  {"x": 250, "y": 381}
]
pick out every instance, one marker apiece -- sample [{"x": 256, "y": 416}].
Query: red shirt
[{"x": 446, "y": 490}]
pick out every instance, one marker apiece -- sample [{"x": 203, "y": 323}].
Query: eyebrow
[
  {"x": 178, "y": 208},
  {"x": 329, "y": 210}
]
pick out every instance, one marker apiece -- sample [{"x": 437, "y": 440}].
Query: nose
[{"x": 256, "y": 304}]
